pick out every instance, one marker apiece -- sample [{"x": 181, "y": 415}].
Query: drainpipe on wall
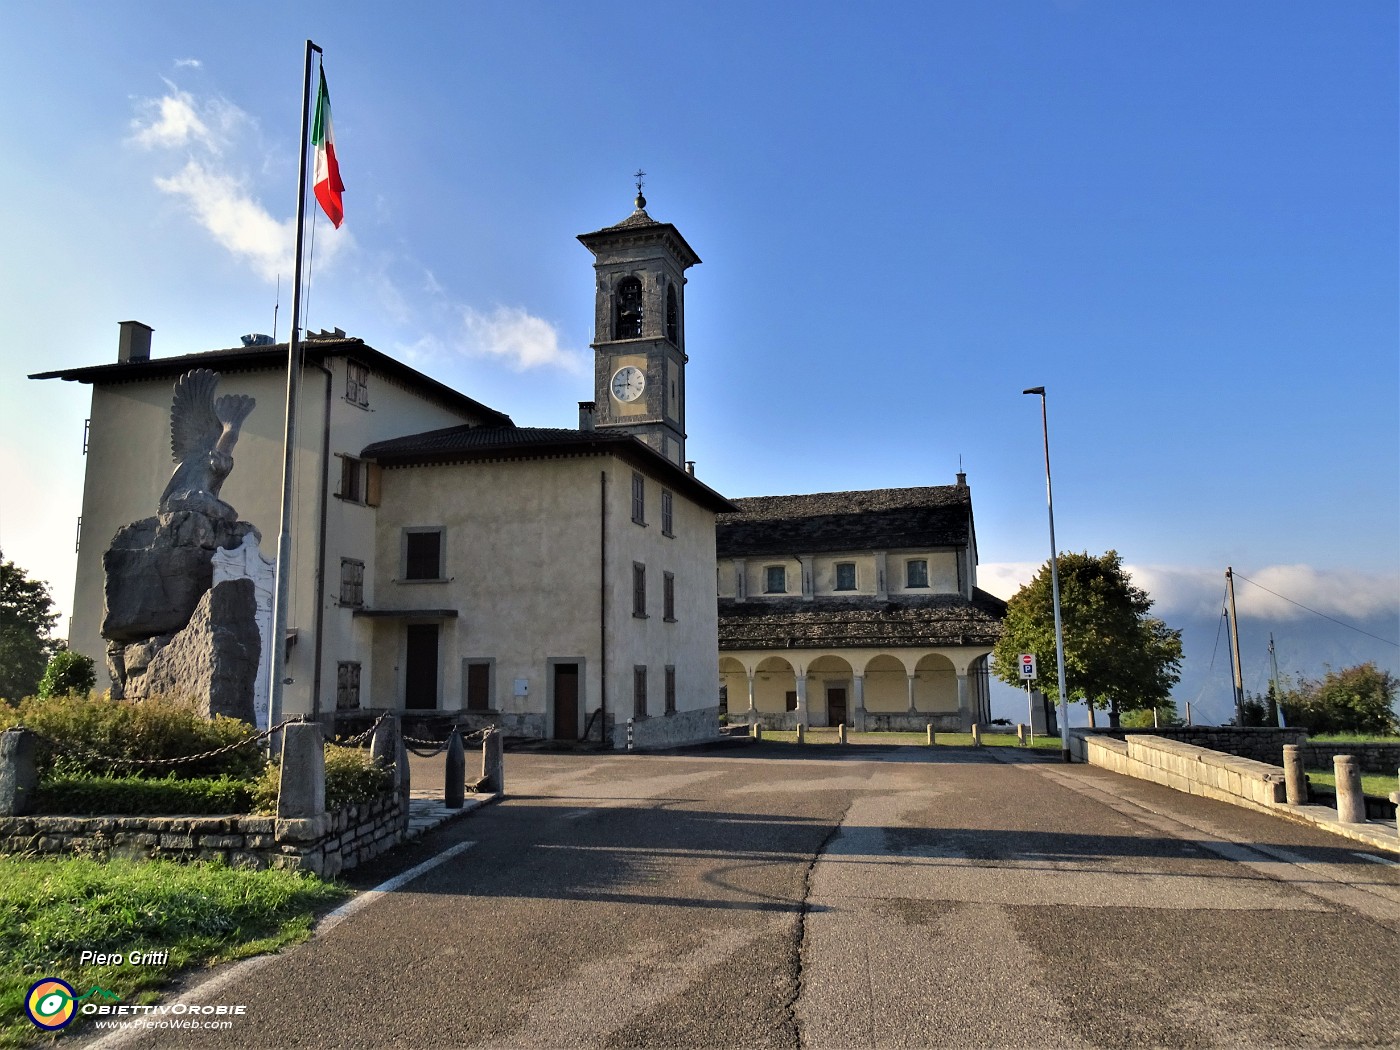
[
  {"x": 321, "y": 544},
  {"x": 603, "y": 607}
]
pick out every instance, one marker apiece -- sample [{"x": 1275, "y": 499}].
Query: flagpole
[{"x": 284, "y": 536}]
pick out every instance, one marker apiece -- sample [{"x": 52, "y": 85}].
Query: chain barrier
[
  {"x": 437, "y": 747},
  {"x": 66, "y": 748},
  {"x": 360, "y": 738}
]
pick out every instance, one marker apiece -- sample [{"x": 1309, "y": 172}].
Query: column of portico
[
  {"x": 858, "y": 699},
  {"x": 802, "y": 699},
  {"x": 965, "y": 713},
  {"x": 911, "y": 691},
  {"x": 753, "y": 709}
]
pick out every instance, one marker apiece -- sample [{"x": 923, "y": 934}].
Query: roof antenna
[{"x": 276, "y": 305}]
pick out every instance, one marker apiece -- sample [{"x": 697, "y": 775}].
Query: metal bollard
[
  {"x": 1351, "y": 803},
  {"x": 454, "y": 793},
  {"x": 976, "y": 734},
  {"x": 1295, "y": 783}
]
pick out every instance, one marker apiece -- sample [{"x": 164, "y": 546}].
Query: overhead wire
[{"x": 1300, "y": 605}]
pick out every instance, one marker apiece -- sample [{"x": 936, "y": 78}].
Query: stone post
[
  {"x": 1020, "y": 734},
  {"x": 930, "y": 734},
  {"x": 387, "y": 749},
  {"x": 493, "y": 763},
  {"x": 19, "y": 776},
  {"x": 758, "y": 731},
  {"x": 301, "y": 791},
  {"x": 1351, "y": 803},
  {"x": 841, "y": 733},
  {"x": 454, "y": 794},
  {"x": 1295, "y": 784},
  {"x": 801, "y": 733},
  {"x": 976, "y": 734}
]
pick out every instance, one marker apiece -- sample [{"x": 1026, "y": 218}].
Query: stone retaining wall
[
  {"x": 1370, "y": 758},
  {"x": 1184, "y": 767},
  {"x": 1261, "y": 743},
  {"x": 325, "y": 845},
  {"x": 663, "y": 731}
]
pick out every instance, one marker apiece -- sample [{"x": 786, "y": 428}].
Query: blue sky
[{"x": 1181, "y": 218}]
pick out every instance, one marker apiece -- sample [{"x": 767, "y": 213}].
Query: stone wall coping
[{"x": 1140, "y": 742}]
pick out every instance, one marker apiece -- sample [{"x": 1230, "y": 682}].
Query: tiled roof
[
  {"x": 641, "y": 225},
  {"x": 850, "y": 622},
  {"x": 254, "y": 358},
  {"x": 467, "y": 443},
  {"x": 873, "y": 519}
]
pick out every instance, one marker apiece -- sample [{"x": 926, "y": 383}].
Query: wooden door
[
  {"x": 566, "y": 701},
  {"x": 836, "y": 705},
  {"x": 420, "y": 677}
]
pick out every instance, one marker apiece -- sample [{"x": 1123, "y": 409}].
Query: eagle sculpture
[{"x": 203, "y": 432}]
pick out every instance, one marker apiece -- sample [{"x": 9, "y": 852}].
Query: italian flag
[{"x": 327, "y": 182}]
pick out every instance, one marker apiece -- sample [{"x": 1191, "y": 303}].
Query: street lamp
[{"x": 1054, "y": 581}]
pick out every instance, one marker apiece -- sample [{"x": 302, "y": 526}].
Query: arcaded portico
[{"x": 856, "y": 608}]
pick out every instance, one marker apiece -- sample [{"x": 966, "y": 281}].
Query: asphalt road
[{"x": 900, "y": 897}]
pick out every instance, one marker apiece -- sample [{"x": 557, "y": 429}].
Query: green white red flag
[{"x": 326, "y": 181}]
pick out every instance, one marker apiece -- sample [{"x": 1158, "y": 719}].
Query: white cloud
[
  {"x": 172, "y": 121},
  {"x": 524, "y": 342},
  {"x": 188, "y": 63},
  {"x": 223, "y": 206},
  {"x": 1187, "y": 591}
]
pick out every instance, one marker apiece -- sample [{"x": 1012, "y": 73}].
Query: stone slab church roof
[
  {"x": 856, "y": 622},
  {"x": 833, "y": 522}
]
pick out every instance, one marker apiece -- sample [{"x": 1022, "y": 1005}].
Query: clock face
[{"x": 628, "y": 383}]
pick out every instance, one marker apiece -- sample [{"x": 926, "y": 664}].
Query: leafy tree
[
  {"x": 68, "y": 672},
  {"x": 1116, "y": 655},
  {"x": 1358, "y": 699},
  {"x": 26, "y": 618},
  {"x": 1141, "y": 718}
]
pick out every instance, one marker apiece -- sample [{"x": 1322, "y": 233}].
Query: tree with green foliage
[
  {"x": 26, "y": 618},
  {"x": 68, "y": 672},
  {"x": 1117, "y": 656},
  {"x": 1358, "y": 699},
  {"x": 1142, "y": 718}
]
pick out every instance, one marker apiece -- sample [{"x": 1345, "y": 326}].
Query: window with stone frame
[
  {"x": 347, "y": 686},
  {"x": 673, "y": 316},
  {"x": 668, "y": 517},
  {"x": 627, "y": 316},
  {"x": 352, "y": 582},
  {"x": 357, "y": 384},
  {"x": 639, "y": 590},
  {"x": 668, "y": 597},
  {"x": 845, "y": 576},
  {"x": 916, "y": 572},
  {"x": 775, "y": 579},
  {"x": 670, "y": 690},
  {"x": 639, "y": 691},
  {"x": 639, "y": 499}
]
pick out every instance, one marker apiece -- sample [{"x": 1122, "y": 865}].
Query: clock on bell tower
[{"x": 639, "y": 329}]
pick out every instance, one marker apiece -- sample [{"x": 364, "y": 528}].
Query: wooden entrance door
[
  {"x": 566, "y": 701},
  {"x": 421, "y": 667},
  {"x": 836, "y": 705}
]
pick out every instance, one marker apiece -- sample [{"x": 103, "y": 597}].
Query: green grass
[
  {"x": 1378, "y": 784},
  {"x": 1353, "y": 738},
  {"x": 822, "y": 737},
  {"x": 51, "y": 910}
]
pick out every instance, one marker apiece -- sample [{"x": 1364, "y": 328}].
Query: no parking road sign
[{"x": 1028, "y": 667}]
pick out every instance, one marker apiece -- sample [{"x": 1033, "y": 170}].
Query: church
[{"x": 556, "y": 583}]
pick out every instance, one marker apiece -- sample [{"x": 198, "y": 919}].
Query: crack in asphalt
[{"x": 800, "y": 927}]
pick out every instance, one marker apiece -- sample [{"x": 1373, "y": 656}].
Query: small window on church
[
  {"x": 627, "y": 322},
  {"x": 775, "y": 579},
  {"x": 916, "y": 573},
  {"x": 845, "y": 576},
  {"x": 673, "y": 324}
]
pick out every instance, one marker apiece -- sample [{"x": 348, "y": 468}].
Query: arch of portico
[{"x": 900, "y": 688}]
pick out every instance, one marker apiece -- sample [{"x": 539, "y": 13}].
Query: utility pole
[{"x": 1235, "y": 646}]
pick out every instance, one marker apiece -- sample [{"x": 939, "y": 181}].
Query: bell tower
[{"x": 639, "y": 353}]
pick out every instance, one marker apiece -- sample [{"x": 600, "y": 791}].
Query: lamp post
[{"x": 1054, "y": 581}]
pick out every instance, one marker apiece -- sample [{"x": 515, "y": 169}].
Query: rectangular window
[
  {"x": 639, "y": 589},
  {"x": 668, "y": 596},
  {"x": 639, "y": 499},
  {"x": 916, "y": 573},
  {"x": 357, "y": 384},
  {"x": 347, "y": 686},
  {"x": 478, "y": 685},
  {"x": 846, "y": 576},
  {"x": 775, "y": 580},
  {"x": 352, "y": 582},
  {"x": 667, "y": 518},
  {"x": 422, "y": 554},
  {"x": 670, "y": 690},
  {"x": 791, "y": 697},
  {"x": 639, "y": 691},
  {"x": 359, "y": 481}
]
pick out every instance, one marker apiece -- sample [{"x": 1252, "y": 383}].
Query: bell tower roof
[{"x": 638, "y": 229}]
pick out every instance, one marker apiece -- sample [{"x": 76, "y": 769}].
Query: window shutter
[{"x": 373, "y": 482}]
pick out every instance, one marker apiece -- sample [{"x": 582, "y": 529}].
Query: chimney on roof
[
  {"x": 586, "y": 410},
  {"x": 962, "y": 480},
  {"x": 134, "y": 343},
  {"x": 690, "y": 467}
]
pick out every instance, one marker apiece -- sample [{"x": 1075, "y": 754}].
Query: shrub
[
  {"x": 90, "y": 796},
  {"x": 128, "y": 734},
  {"x": 1358, "y": 699},
  {"x": 351, "y": 777},
  {"x": 68, "y": 672}
]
